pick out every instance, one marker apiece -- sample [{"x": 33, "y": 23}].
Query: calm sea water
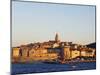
[{"x": 22, "y": 68}]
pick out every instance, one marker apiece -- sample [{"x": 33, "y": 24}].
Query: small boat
[{"x": 73, "y": 66}]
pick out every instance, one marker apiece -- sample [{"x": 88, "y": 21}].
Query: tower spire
[{"x": 56, "y": 38}]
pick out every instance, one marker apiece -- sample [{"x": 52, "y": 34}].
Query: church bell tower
[{"x": 57, "y": 38}]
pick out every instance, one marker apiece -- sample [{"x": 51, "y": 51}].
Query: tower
[{"x": 57, "y": 38}]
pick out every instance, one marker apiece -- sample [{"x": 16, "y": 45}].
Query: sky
[{"x": 39, "y": 22}]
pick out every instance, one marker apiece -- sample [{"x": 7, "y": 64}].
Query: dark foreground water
[{"x": 23, "y": 68}]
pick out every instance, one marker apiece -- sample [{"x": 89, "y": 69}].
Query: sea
[{"x": 26, "y": 68}]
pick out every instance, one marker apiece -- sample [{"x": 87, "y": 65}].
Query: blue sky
[{"x": 38, "y": 22}]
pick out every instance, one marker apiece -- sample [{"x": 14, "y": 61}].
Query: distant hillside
[{"x": 92, "y": 45}]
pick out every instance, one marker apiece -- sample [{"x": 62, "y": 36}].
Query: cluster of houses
[{"x": 52, "y": 50}]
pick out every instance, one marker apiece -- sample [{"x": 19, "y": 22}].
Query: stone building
[
  {"x": 88, "y": 52},
  {"x": 65, "y": 53},
  {"x": 75, "y": 53},
  {"x": 25, "y": 51},
  {"x": 15, "y": 52},
  {"x": 41, "y": 54}
]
